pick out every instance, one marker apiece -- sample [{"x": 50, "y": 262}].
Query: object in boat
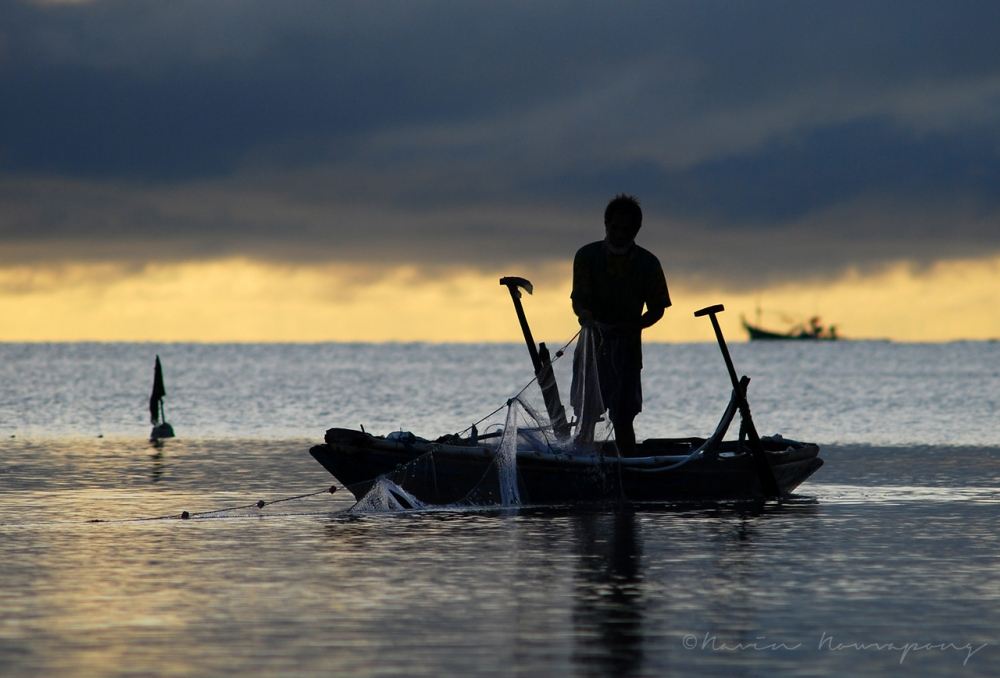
[
  {"x": 549, "y": 466},
  {"x": 812, "y": 330},
  {"x": 161, "y": 429}
]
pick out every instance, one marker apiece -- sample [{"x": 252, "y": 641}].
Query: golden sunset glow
[{"x": 242, "y": 300}]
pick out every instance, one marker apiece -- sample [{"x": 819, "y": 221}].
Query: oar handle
[
  {"x": 514, "y": 285},
  {"x": 711, "y": 311}
]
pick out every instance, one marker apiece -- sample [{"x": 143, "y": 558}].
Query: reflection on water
[
  {"x": 305, "y": 588},
  {"x": 900, "y": 494},
  {"x": 156, "y": 472},
  {"x": 608, "y": 604}
]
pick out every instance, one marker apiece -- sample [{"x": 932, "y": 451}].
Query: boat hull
[
  {"x": 438, "y": 473},
  {"x": 760, "y": 334}
]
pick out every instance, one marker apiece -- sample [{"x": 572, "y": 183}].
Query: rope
[
  {"x": 185, "y": 515},
  {"x": 559, "y": 354},
  {"x": 466, "y": 500},
  {"x": 604, "y": 463},
  {"x": 670, "y": 467}
]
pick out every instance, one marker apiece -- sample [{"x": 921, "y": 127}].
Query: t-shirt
[{"x": 614, "y": 287}]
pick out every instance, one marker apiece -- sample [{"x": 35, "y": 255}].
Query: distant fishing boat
[
  {"x": 161, "y": 429},
  {"x": 813, "y": 330}
]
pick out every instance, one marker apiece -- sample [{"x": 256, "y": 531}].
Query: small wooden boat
[
  {"x": 453, "y": 470},
  {"x": 544, "y": 465}
]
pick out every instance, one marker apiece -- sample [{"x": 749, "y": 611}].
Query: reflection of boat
[
  {"x": 544, "y": 464},
  {"x": 812, "y": 330},
  {"x": 161, "y": 429}
]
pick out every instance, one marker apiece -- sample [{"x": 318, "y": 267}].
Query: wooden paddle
[{"x": 540, "y": 359}]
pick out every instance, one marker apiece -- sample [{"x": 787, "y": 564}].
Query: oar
[
  {"x": 764, "y": 471},
  {"x": 512, "y": 284},
  {"x": 540, "y": 360}
]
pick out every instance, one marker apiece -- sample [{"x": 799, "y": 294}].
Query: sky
[{"x": 247, "y": 170}]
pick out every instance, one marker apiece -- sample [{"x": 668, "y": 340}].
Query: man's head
[{"x": 622, "y": 220}]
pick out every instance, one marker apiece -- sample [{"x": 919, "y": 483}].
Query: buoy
[{"x": 185, "y": 515}]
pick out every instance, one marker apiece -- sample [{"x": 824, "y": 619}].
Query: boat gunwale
[{"x": 789, "y": 451}]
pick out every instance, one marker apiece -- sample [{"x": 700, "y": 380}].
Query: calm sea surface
[{"x": 885, "y": 562}]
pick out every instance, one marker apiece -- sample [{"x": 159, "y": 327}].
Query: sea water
[{"x": 885, "y": 561}]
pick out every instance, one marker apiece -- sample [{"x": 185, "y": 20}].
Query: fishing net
[
  {"x": 506, "y": 460},
  {"x": 384, "y": 496},
  {"x": 585, "y": 389},
  {"x": 531, "y": 423}
]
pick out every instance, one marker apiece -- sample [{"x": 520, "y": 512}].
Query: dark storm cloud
[{"x": 819, "y": 135}]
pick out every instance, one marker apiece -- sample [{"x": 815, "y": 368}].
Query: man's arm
[
  {"x": 647, "y": 319},
  {"x": 651, "y": 316},
  {"x": 657, "y": 296},
  {"x": 581, "y": 294},
  {"x": 585, "y": 317}
]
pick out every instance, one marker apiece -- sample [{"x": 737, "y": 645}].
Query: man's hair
[{"x": 625, "y": 204}]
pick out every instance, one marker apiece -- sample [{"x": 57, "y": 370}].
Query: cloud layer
[{"x": 767, "y": 141}]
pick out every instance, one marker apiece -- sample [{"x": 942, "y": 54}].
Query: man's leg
[
  {"x": 627, "y": 402},
  {"x": 624, "y": 434}
]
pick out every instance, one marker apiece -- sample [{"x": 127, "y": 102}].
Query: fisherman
[{"x": 612, "y": 280}]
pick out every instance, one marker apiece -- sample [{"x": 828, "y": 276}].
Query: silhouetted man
[{"x": 612, "y": 280}]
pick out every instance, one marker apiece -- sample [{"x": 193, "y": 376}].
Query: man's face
[{"x": 620, "y": 229}]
